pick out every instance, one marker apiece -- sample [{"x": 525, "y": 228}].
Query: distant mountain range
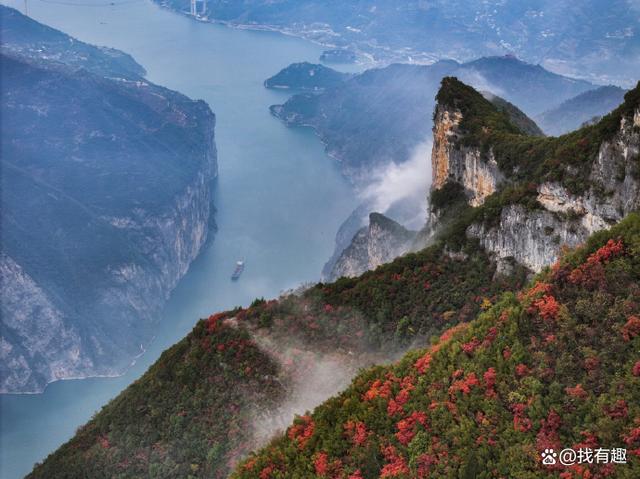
[
  {"x": 505, "y": 366},
  {"x": 597, "y": 39},
  {"x": 106, "y": 199},
  {"x": 381, "y": 115},
  {"x": 306, "y": 77},
  {"x": 586, "y": 107}
]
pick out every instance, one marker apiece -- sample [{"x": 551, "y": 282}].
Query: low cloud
[{"x": 401, "y": 189}]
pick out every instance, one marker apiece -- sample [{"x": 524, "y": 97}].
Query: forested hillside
[{"x": 553, "y": 366}]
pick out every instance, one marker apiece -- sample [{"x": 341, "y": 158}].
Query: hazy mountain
[
  {"x": 382, "y": 115},
  {"x": 106, "y": 199},
  {"x": 585, "y": 107},
  {"x": 306, "y": 77},
  {"x": 596, "y": 38}
]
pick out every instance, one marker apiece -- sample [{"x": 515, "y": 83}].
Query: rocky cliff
[
  {"x": 475, "y": 170},
  {"x": 546, "y": 193},
  {"x": 106, "y": 186},
  {"x": 380, "y": 242},
  {"x": 586, "y": 107},
  {"x": 382, "y": 115}
]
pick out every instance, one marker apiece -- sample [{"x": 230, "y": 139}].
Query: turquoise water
[{"x": 280, "y": 200}]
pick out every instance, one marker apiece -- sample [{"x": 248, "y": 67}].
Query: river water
[{"x": 280, "y": 200}]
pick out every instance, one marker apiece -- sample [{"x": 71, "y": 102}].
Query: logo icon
[{"x": 549, "y": 457}]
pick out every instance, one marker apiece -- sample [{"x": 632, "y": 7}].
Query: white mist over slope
[{"x": 401, "y": 190}]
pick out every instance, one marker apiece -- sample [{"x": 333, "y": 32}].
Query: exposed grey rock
[
  {"x": 536, "y": 238},
  {"x": 107, "y": 199},
  {"x": 378, "y": 243}
]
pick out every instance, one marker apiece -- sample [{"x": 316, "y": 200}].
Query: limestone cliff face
[
  {"x": 477, "y": 172},
  {"x": 535, "y": 238},
  {"x": 103, "y": 210},
  {"x": 45, "y": 342},
  {"x": 378, "y": 243}
]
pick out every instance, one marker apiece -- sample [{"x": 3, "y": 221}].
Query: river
[{"x": 280, "y": 200}]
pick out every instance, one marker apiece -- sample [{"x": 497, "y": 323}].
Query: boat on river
[{"x": 238, "y": 271}]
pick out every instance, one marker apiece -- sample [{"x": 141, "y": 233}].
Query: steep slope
[
  {"x": 380, "y": 242},
  {"x": 382, "y": 115},
  {"x": 219, "y": 392},
  {"x": 306, "y": 77},
  {"x": 586, "y": 107},
  {"x": 555, "y": 366},
  {"x": 538, "y": 195},
  {"x": 593, "y": 36},
  {"x": 22, "y": 36},
  {"x": 106, "y": 200},
  {"x": 327, "y": 332}
]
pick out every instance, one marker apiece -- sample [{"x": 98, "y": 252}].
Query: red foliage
[
  {"x": 451, "y": 332},
  {"x": 214, "y": 321},
  {"x": 490, "y": 381},
  {"x": 394, "y": 408},
  {"x": 356, "y": 431},
  {"x": 396, "y": 464},
  {"x": 378, "y": 389},
  {"x": 250, "y": 464},
  {"x": 618, "y": 410},
  {"x": 328, "y": 308},
  {"x": 356, "y": 475},
  {"x": 490, "y": 378},
  {"x": 471, "y": 346},
  {"x": 576, "y": 392},
  {"x": 591, "y": 270},
  {"x": 589, "y": 441},
  {"x": 321, "y": 464},
  {"x": 104, "y": 442},
  {"x": 424, "y": 462},
  {"x": 407, "y": 427},
  {"x": 591, "y": 363},
  {"x": 547, "y": 307},
  {"x": 520, "y": 421},
  {"x": 636, "y": 369},
  {"x": 631, "y": 329},
  {"x": 266, "y": 471},
  {"x": 464, "y": 385},
  {"x": 538, "y": 289},
  {"x": 506, "y": 353},
  {"x": 522, "y": 370},
  {"x": 633, "y": 436},
  {"x": 301, "y": 431},
  {"x": 423, "y": 363},
  {"x": 547, "y": 437},
  {"x": 492, "y": 333},
  {"x": 395, "y": 405}
]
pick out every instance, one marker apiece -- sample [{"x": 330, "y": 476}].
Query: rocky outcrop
[
  {"x": 535, "y": 238},
  {"x": 475, "y": 170},
  {"x": 533, "y": 230},
  {"x": 380, "y": 242},
  {"x": 104, "y": 209}
]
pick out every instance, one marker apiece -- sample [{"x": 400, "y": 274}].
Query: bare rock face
[
  {"x": 104, "y": 209},
  {"x": 535, "y": 238},
  {"x": 476, "y": 171},
  {"x": 378, "y": 243},
  {"x": 532, "y": 229}
]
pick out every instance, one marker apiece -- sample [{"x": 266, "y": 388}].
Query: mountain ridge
[
  {"x": 381, "y": 314},
  {"x": 103, "y": 210}
]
